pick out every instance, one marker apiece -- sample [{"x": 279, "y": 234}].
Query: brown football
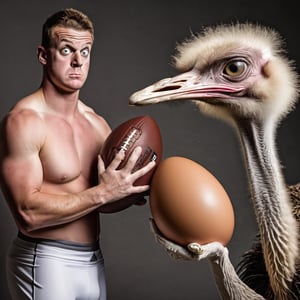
[{"x": 140, "y": 131}]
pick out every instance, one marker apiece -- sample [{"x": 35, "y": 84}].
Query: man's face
[{"x": 68, "y": 58}]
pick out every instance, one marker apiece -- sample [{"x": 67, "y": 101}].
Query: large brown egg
[{"x": 189, "y": 204}]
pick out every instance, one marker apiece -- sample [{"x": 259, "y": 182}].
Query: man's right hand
[{"x": 119, "y": 183}]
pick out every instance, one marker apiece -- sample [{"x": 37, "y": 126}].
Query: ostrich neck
[{"x": 278, "y": 228}]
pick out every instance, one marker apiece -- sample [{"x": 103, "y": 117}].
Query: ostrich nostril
[{"x": 167, "y": 88}]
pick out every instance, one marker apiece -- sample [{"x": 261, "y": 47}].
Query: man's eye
[
  {"x": 85, "y": 52},
  {"x": 65, "y": 51}
]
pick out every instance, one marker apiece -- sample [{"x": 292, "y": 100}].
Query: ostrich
[{"x": 239, "y": 73}]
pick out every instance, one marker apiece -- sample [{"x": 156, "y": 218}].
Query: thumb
[{"x": 101, "y": 165}]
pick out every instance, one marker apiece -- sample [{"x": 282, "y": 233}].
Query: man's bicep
[
  {"x": 21, "y": 167},
  {"x": 22, "y": 176}
]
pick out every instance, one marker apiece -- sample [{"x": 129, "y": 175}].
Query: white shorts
[{"x": 39, "y": 269}]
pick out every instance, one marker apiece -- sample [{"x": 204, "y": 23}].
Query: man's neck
[{"x": 64, "y": 103}]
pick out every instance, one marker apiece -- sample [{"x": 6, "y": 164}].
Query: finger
[
  {"x": 133, "y": 158},
  {"x": 101, "y": 166},
  {"x": 137, "y": 189},
  {"x": 212, "y": 249},
  {"x": 115, "y": 163},
  {"x": 144, "y": 170},
  {"x": 195, "y": 248},
  {"x": 176, "y": 251}
]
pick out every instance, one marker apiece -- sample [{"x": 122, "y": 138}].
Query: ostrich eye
[{"x": 235, "y": 68}]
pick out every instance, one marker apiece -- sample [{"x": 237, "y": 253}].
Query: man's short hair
[{"x": 69, "y": 18}]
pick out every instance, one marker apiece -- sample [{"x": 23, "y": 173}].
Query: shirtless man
[{"x": 52, "y": 176}]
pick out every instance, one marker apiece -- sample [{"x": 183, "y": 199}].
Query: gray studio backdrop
[{"x": 133, "y": 48}]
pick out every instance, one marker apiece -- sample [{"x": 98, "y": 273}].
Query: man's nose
[{"x": 76, "y": 60}]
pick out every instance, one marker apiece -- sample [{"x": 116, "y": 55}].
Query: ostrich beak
[{"x": 186, "y": 86}]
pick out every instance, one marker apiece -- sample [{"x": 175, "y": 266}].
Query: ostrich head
[
  {"x": 240, "y": 73},
  {"x": 236, "y": 71}
]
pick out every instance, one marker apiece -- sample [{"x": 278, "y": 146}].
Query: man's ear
[{"x": 42, "y": 55}]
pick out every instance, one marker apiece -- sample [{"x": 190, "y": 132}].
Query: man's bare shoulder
[
  {"x": 23, "y": 119},
  {"x": 94, "y": 118},
  {"x": 29, "y": 103}
]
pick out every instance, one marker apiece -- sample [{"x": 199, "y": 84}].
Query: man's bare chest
[{"x": 69, "y": 151}]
